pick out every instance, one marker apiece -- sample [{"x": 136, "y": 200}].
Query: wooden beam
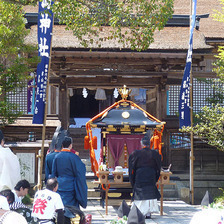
[
  {"x": 203, "y": 74},
  {"x": 120, "y": 54},
  {"x": 118, "y": 60},
  {"x": 111, "y": 73},
  {"x": 133, "y": 73},
  {"x": 81, "y": 82},
  {"x": 149, "y": 79}
]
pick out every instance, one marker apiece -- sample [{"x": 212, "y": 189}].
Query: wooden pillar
[
  {"x": 161, "y": 109},
  {"x": 64, "y": 104},
  {"x": 53, "y": 100},
  {"x": 105, "y": 157},
  {"x": 151, "y": 101},
  {"x": 161, "y": 99}
]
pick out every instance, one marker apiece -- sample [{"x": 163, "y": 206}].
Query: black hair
[
  {"x": 51, "y": 183},
  {"x": 1, "y": 136},
  {"x": 9, "y": 195},
  {"x": 67, "y": 142},
  {"x": 22, "y": 183},
  {"x": 145, "y": 141}
]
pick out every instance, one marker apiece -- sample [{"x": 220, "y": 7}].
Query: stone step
[
  {"x": 171, "y": 199},
  {"x": 88, "y": 164},
  {"x": 93, "y": 198},
  {"x": 91, "y": 185},
  {"x": 116, "y": 202},
  {"x": 88, "y": 168},
  {"x": 169, "y": 187},
  {"x": 92, "y": 193},
  {"x": 86, "y": 161},
  {"x": 167, "y": 194},
  {"x": 170, "y": 193}
]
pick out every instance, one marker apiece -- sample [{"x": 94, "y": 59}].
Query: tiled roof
[
  {"x": 169, "y": 38},
  {"x": 208, "y": 26}
]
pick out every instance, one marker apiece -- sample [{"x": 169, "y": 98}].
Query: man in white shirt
[
  {"x": 9, "y": 167},
  {"x": 47, "y": 203},
  {"x": 20, "y": 191}
]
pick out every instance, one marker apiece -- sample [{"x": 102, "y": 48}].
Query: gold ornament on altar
[
  {"x": 125, "y": 115},
  {"x": 124, "y": 92}
]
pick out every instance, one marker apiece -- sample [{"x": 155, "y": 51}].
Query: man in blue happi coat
[
  {"x": 70, "y": 172},
  {"x": 48, "y": 163},
  {"x": 54, "y": 149}
]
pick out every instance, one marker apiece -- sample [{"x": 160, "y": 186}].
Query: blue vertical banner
[
  {"x": 45, "y": 25},
  {"x": 184, "y": 101}
]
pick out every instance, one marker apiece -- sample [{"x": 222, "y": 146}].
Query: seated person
[
  {"x": 21, "y": 190},
  {"x": 16, "y": 206},
  {"x": 47, "y": 203}
]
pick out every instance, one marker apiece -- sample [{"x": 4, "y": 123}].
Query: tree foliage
[
  {"x": 131, "y": 22},
  {"x": 15, "y": 61},
  {"x": 219, "y": 15},
  {"x": 210, "y": 126}
]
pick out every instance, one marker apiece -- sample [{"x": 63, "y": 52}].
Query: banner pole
[
  {"x": 186, "y": 96},
  {"x": 191, "y": 115},
  {"x": 41, "y": 155}
]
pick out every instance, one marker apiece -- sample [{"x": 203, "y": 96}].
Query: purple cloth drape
[
  {"x": 133, "y": 142},
  {"x": 116, "y": 144}
]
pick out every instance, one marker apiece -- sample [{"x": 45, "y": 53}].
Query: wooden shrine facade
[
  {"x": 106, "y": 69},
  {"x": 156, "y": 69},
  {"x": 153, "y": 71}
]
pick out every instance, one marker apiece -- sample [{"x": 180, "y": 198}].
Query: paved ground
[{"x": 174, "y": 212}]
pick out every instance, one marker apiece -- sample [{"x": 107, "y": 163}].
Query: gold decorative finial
[{"x": 124, "y": 92}]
